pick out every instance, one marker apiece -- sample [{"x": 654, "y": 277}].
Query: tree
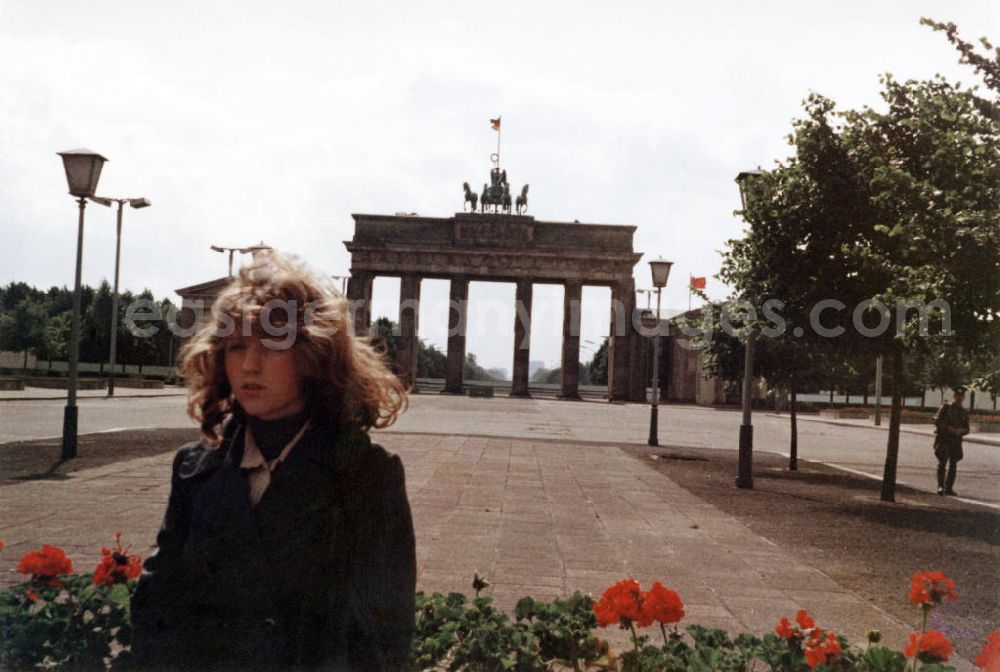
[
  {"x": 95, "y": 331},
  {"x": 933, "y": 161},
  {"x": 547, "y": 376},
  {"x": 21, "y": 328},
  {"x": 781, "y": 267},
  {"x": 597, "y": 368},
  {"x": 473, "y": 371},
  {"x": 882, "y": 209},
  {"x": 46, "y": 325},
  {"x": 56, "y": 335},
  {"x": 385, "y": 334},
  {"x": 431, "y": 362}
]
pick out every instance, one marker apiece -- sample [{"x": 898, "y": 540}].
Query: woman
[{"x": 287, "y": 539}]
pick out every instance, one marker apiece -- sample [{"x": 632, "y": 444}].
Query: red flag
[
  {"x": 698, "y": 283},
  {"x": 495, "y": 124}
]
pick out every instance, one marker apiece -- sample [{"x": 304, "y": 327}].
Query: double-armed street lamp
[
  {"x": 343, "y": 282},
  {"x": 253, "y": 249},
  {"x": 83, "y": 170},
  {"x": 661, "y": 271},
  {"x": 744, "y": 473},
  {"x": 135, "y": 203}
]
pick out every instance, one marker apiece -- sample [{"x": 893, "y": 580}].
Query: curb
[
  {"x": 903, "y": 430},
  {"x": 80, "y": 398}
]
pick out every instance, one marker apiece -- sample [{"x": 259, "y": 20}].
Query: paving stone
[{"x": 535, "y": 518}]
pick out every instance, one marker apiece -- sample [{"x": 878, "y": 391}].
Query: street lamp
[
  {"x": 744, "y": 472},
  {"x": 343, "y": 282},
  {"x": 253, "y": 249},
  {"x": 648, "y": 292},
  {"x": 661, "y": 271},
  {"x": 83, "y": 169},
  {"x": 135, "y": 203}
]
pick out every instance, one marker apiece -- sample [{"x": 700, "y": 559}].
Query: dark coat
[
  {"x": 321, "y": 574},
  {"x": 948, "y": 444}
]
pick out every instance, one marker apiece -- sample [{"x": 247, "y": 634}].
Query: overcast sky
[{"x": 249, "y": 121}]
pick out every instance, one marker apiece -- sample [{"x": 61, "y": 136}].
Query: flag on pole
[
  {"x": 495, "y": 124},
  {"x": 698, "y": 283}
]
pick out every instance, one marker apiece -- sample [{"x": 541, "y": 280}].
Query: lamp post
[
  {"x": 661, "y": 271},
  {"x": 343, "y": 282},
  {"x": 649, "y": 293},
  {"x": 135, "y": 203},
  {"x": 744, "y": 472},
  {"x": 83, "y": 170},
  {"x": 253, "y": 249}
]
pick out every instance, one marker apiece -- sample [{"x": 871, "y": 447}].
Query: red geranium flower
[
  {"x": 662, "y": 604},
  {"x": 819, "y": 649},
  {"x": 931, "y": 588},
  {"x": 622, "y": 604},
  {"x": 805, "y": 621},
  {"x": 929, "y": 647},
  {"x": 46, "y": 564},
  {"x": 785, "y": 629},
  {"x": 818, "y": 644},
  {"x": 117, "y": 566},
  {"x": 989, "y": 658},
  {"x": 31, "y": 594}
]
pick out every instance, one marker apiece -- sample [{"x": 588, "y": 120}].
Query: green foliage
[
  {"x": 598, "y": 366},
  {"x": 78, "y": 626},
  {"x": 453, "y": 634},
  {"x": 56, "y": 336},
  {"x": 83, "y": 627},
  {"x": 547, "y": 376},
  {"x": 473, "y": 371},
  {"x": 22, "y": 327},
  {"x": 431, "y": 362},
  {"x": 897, "y": 205},
  {"x": 33, "y": 320},
  {"x": 881, "y": 659},
  {"x": 385, "y": 337},
  {"x": 563, "y": 628}
]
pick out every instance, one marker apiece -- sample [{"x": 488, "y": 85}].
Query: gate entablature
[{"x": 496, "y": 247}]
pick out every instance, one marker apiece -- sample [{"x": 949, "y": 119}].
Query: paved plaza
[{"x": 536, "y": 495}]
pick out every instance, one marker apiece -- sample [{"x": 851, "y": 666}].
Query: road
[{"x": 858, "y": 448}]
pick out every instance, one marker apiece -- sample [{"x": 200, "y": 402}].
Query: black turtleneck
[{"x": 273, "y": 435}]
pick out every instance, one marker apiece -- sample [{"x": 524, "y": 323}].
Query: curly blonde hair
[{"x": 343, "y": 376}]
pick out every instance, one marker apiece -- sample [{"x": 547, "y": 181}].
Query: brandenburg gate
[{"x": 495, "y": 245}]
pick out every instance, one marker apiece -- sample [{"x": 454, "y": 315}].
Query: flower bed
[{"x": 60, "y": 620}]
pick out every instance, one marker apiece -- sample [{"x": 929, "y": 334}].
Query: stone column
[
  {"x": 622, "y": 305},
  {"x": 458, "y": 300},
  {"x": 522, "y": 338},
  {"x": 359, "y": 300},
  {"x": 571, "y": 340},
  {"x": 408, "y": 346}
]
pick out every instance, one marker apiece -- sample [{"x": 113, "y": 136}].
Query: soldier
[{"x": 952, "y": 422}]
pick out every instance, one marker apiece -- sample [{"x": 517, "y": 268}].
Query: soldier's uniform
[{"x": 948, "y": 445}]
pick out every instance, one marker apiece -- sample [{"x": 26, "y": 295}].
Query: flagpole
[
  {"x": 499, "y": 130},
  {"x": 689, "y": 290}
]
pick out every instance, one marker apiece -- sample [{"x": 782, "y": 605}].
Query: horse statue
[
  {"x": 496, "y": 195},
  {"x": 470, "y": 197},
  {"x": 522, "y": 201}
]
